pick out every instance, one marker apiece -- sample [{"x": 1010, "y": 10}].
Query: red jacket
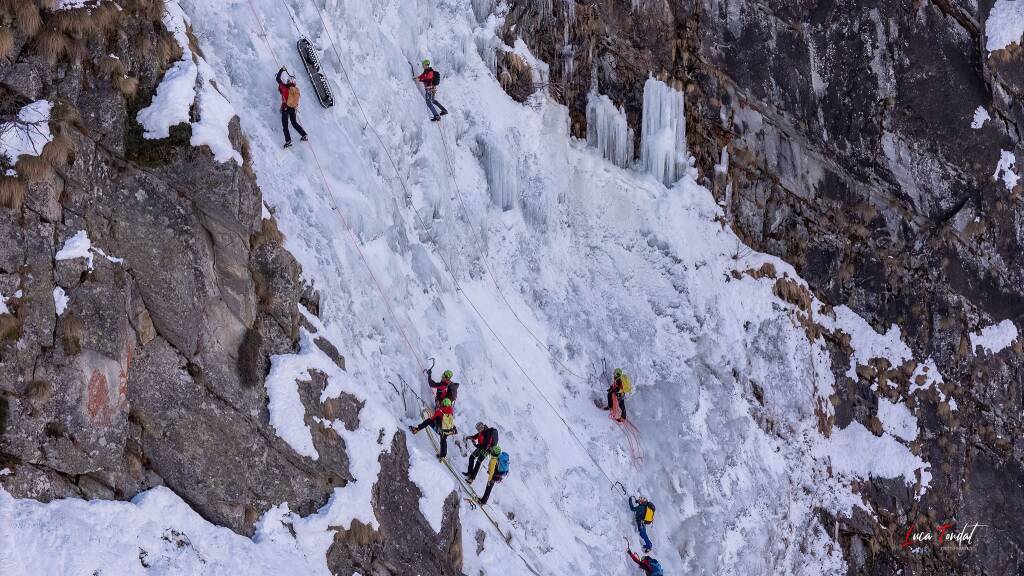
[
  {"x": 427, "y": 77},
  {"x": 644, "y": 563},
  {"x": 485, "y": 439}
]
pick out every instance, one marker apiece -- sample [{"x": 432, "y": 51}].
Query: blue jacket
[{"x": 639, "y": 509}]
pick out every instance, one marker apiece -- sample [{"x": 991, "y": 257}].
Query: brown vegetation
[
  {"x": 12, "y": 192},
  {"x": 71, "y": 329}
]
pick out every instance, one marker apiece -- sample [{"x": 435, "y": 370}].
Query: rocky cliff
[
  {"x": 851, "y": 155},
  {"x": 144, "y": 290}
]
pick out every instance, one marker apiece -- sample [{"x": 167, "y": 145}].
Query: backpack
[
  {"x": 435, "y": 79},
  {"x": 627, "y": 384},
  {"x": 490, "y": 437},
  {"x": 502, "y": 464},
  {"x": 655, "y": 567},
  {"x": 293, "y": 97},
  {"x": 649, "y": 514},
  {"x": 452, "y": 392},
  {"x": 448, "y": 424}
]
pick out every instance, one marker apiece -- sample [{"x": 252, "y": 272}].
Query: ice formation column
[
  {"x": 663, "y": 132},
  {"x": 608, "y": 130}
]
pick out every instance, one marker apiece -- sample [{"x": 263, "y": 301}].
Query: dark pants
[
  {"x": 622, "y": 403},
  {"x": 431, "y": 102},
  {"x": 288, "y": 114},
  {"x": 475, "y": 460},
  {"x": 487, "y": 492},
  {"x": 435, "y": 423}
]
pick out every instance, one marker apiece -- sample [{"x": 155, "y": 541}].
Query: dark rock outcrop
[
  {"x": 154, "y": 374},
  {"x": 852, "y": 157}
]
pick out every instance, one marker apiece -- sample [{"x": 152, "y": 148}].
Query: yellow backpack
[
  {"x": 448, "y": 424},
  {"x": 649, "y": 514},
  {"x": 627, "y": 384}
]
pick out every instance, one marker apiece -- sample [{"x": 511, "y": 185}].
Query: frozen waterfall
[
  {"x": 608, "y": 130},
  {"x": 663, "y": 132}
]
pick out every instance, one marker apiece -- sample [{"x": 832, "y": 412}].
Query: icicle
[
  {"x": 482, "y": 9},
  {"x": 608, "y": 130},
  {"x": 570, "y": 11},
  {"x": 502, "y": 169},
  {"x": 663, "y": 132}
]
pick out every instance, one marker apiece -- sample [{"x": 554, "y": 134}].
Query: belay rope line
[{"x": 390, "y": 309}]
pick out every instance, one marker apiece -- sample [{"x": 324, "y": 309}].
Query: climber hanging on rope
[
  {"x": 621, "y": 385},
  {"x": 443, "y": 422},
  {"x": 643, "y": 514},
  {"x": 289, "y": 106},
  {"x": 445, "y": 388},
  {"x": 430, "y": 79},
  {"x": 649, "y": 565},
  {"x": 497, "y": 469},
  {"x": 484, "y": 440}
]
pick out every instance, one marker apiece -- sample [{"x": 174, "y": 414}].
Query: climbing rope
[{"x": 487, "y": 266}]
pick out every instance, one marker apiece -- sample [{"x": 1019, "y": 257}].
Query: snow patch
[
  {"x": 60, "y": 300},
  {"x": 897, "y": 419},
  {"x": 5, "y": 472},
  {"x": 1005, "y": 167},
  {"x": 435, "y": 485},
  {"x": 157, "y": 527},
  {"x": 995, "y": 338},
  {"x": 980, "y": 117},
  {"x": 78, "y": 246},
  {"x": 287, "y": 413},
  {"x": 1005, "y": 24},
  {"x": 865, "y": 341},
  {"x": 29, "y": 133},
  {"x": 190, "y": 81},
  {"x": 855, "y": 452}
]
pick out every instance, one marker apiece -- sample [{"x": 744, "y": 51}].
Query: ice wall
[
  {"x": 663, "y": 132},
  {"x": 608, "y": 130}
]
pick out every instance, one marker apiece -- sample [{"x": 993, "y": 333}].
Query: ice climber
[
  {"x": 496, "y": 470},
  {"x": 443, "y": 422},
  {"x": 484, "y": 440},
  {"x": 430, "y": 79},
  {"x": 620, "y": 386},
  {"x": 289, "y": 106},
  {"x": 643, "y": 514},
  {"x": 650, "y": 566},
  {"x": 445, "y": 388}
]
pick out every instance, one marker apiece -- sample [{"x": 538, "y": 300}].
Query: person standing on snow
[
  {"x": 445, "y": 388},
  {"x": 484, "y": 440},
  {"x": 643, "y": 514},
  {"x": 430, "y": 79},
  {"x": 443, "y": 422},
  {"x": 497, "y": 469},
  {"x": 617, "y": 391},
  {"x": 289, "y": 106},
  {"x": 650, "y": 566}
]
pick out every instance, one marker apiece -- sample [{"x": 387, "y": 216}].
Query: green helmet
[
  {"x": 496, "y": 450},
  {"x": 447, "y": 374},
  {"x": 426, "y": 62},
  {"x": 618, "y": 372},
  {"x": 446, "y": 402}
]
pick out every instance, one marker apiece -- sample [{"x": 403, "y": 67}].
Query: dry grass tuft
[
  {"x": 269, "y": 233},
  {"x": 57, "y": 151},
  {"x": 12, "y": 192},
  {"x": 110, "y": 67},
  {"x": 52, "y": 45},
  {"x": 6, "y": 42},
  {"x": 26, "y": 17},
  {"x": 168, "y": 50},
  {"x": 64, "y": 112},
  {"x": 71, "y": 329},
  {"x": 33, "y": 168},
  {"x": 10, "y": 327},
  {"x": 128, "y": 85}
]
